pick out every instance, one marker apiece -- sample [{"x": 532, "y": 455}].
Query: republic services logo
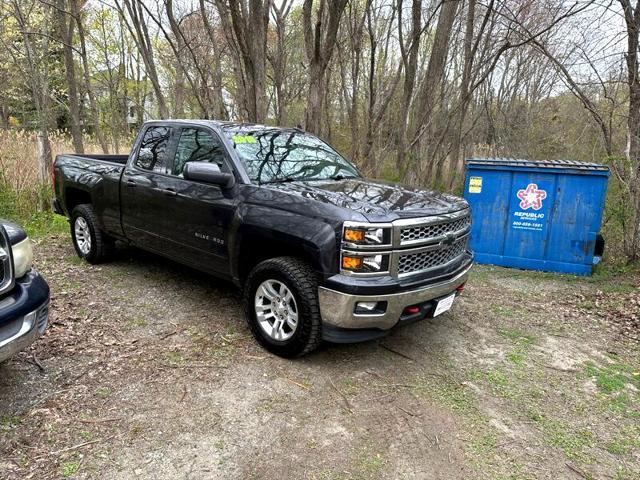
[{"x": 531, "y": 197}]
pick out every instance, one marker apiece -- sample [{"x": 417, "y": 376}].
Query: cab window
[
  {"x": 197, "y": 145},
  {"x": 154, "y": 150}
]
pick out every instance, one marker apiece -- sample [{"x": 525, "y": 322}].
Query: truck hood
[{"x": 378, "y": 201}]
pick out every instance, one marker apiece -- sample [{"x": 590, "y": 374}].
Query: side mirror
[
  {"x": 145, "y": 158},
  {"x": 208, "y": 173}
]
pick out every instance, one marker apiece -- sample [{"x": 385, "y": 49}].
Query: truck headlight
[
  {"x": 366, "y": 235},
  {"x": 365, "y": 263},
  {"x": 22, "y": 257}
]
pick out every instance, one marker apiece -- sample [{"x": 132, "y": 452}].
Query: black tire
[
  {"x": 102, "y": 246},
  {"x": 300, "y": 278}
]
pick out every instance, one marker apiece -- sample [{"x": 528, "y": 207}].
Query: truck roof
[{"x": 228, "y": 125}]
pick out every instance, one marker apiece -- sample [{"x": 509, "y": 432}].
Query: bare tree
[
  {"x": 431, "y": 84},
  {"x": 65, "y": 26},
  {"x": 133, "y": 14},
  {"x": 319, "y": 40},
  {"x": 409, "y": 53},
  {"x": 278, "y": 57},
  {"x": 93, "y": 103},
  {"x": 36, "y": 50},
  {"x": 630, "y": 176},
  {"x": 246, "y": 23}
]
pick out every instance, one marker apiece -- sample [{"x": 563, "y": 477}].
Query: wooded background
[{"x": 405, "y": 88}]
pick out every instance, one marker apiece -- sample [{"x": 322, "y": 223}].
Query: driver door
[{"x": 201, "y": 213}]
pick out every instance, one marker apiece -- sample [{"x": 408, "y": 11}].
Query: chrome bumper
[
  {"x": 33, "y": 325},
  {"x": 337, "y": 308}
]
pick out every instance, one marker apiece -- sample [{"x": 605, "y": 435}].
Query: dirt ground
[{"x": 149, "y": 371}]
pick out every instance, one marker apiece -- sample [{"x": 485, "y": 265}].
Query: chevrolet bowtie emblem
[{"x": 448, "y": 239}]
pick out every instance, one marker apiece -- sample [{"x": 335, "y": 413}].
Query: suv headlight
[{"x": 22, "y": 257}]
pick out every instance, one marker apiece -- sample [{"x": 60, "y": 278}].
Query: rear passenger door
[
  {"x": 201, "y": 213},
  {"x": 143, "y": 201}
]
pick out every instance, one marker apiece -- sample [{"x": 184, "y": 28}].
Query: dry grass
[
  {"x": 18, "y": 157},
  {"x": 21, "y": 193}
]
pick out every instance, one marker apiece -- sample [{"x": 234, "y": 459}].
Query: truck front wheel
[
  {"x": 281, "y": 305},
  {"x": 89, "y": 241}
]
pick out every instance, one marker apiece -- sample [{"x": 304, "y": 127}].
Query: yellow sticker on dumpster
[{"x": 475, "y": 185}]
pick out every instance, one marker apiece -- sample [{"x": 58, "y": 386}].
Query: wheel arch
[
  {"x": 74, "y": 196},
  {"x": 264, "y": 232},
  {"x": 253, "y": 248}
]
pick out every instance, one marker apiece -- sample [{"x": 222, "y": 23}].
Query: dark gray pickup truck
[{"x": 320, "y": 251}]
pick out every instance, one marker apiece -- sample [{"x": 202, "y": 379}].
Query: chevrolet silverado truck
[
  {"x": 24, "y": 294},
  {"x": 319, "y": 251}
]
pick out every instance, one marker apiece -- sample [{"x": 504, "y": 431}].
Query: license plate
[{"x": 444, "y": 305}]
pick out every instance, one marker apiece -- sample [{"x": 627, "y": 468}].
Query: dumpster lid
[{"x": 516, "y": 162}]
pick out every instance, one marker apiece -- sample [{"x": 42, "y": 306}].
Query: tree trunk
[
  {"x": 632, "y": 236},
  {"x": 279, "y": 59},
  {"x": 410, "y": 60},
  {"x": 319, "y": 44},
  {"x": 431, "y": 85},
  {"x": 38, "y": 71},
  {"x": 456, "y": 150},
  {"x": 44, "y": 155},
  {"x": 313, "y": 114},
  {"x": 248, "y": 31},
  {"x": 93, "y": 103},
  {"x": 65, "y": 32}
]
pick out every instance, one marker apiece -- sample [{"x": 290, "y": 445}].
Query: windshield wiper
[
  {"x": 282, "y": 180},
  {"x": 340, "y": 176},
  {"x": 302, "y": 179}
]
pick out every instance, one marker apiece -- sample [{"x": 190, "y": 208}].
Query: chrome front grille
[
  {"x": 410, "y": 263},
  {"x": 6, "y": 269},
  {"x": 421, "y": 233},
  {"x": 415, "y": 245}
]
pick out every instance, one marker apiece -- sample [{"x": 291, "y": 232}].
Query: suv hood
[
  {"x": 14, "y": 232},
  {"x": 377, "y": 201}
]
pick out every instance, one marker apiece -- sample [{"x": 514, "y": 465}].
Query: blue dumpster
[{"x": 539, "y": 215}]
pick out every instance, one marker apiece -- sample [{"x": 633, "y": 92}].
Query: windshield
[{"x": 272, "y": 156}]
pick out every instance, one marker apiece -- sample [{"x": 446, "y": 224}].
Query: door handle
[
  {"x": 170, "y": 192},
  {"x": 130, "y": 183}
]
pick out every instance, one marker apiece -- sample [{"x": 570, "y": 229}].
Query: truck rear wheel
[
  {"x": 89, "y": 241},
  {"x": 281, "y": 305}
]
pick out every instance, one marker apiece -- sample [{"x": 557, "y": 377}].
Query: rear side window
[
  {"x": 198, "y": 146},
  {"x": 154, "y": 149}
]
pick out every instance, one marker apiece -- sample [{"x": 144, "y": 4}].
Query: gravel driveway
[{"x": 149, "y": 371}]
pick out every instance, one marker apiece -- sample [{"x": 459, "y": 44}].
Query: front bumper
[
  {"x": 24, "y": 314},
  {"x": 338, "y": 309}
]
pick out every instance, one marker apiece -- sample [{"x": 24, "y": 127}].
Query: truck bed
[{"x": 120, "y": 159}]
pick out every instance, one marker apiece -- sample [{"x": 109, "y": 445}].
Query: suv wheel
[
  {"x": 89, "y": 241},
  {"x": 281, "y": 305}
]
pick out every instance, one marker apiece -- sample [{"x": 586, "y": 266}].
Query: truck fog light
[{"x": 369, "y": 308}]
